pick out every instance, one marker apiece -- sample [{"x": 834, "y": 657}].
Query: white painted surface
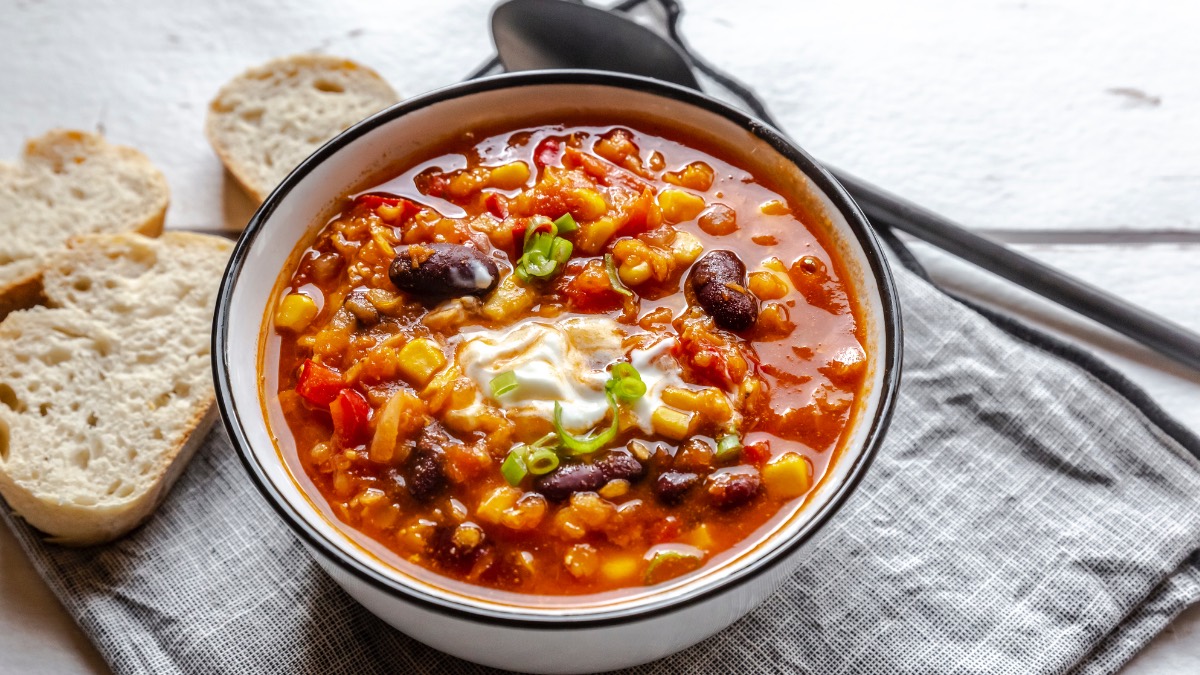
[{"x": 1041, "y": 114}]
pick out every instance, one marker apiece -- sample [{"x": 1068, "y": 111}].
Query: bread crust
[{"x": 251, "y": 174}]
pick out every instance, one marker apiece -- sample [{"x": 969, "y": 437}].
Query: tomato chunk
[
  {"x": 351, "y": 418},
  {"x": 319, "y": 384},
  {"x": 547, "y": 152},
  {"x": 373, "y": 200},
  {"x": 757, "y": 453},
  {"x": 496, "y": 205}
]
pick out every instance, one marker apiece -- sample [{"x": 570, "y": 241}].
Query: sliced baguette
[
  {"x": 106, "y": 393},
  {"x": 69, "y": 183},
  {"x": 265, "y": 121}
]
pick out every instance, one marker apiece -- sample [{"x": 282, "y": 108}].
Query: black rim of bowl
[{"x": 585, "y": 618}]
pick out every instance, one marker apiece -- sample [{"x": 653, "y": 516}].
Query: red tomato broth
[{"x": 791, "y": 368}]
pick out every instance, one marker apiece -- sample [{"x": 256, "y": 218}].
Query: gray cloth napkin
[{"x": 1023, "y": 516}]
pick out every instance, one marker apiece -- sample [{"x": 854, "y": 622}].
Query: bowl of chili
[{"x": 558, "y": 355}]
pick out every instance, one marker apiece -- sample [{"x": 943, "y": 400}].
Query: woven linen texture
[{"x": 1021, "y": 517}]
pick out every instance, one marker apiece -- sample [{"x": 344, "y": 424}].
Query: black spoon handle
[{"x": 1167, "y": 338}]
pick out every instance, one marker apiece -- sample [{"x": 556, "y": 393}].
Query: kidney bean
[
  {"x": 443, "y": 271},
  {"x": 585, "y": 477},
  {"x": 426, "y": 475},
  {"x": 567, "y": 478},
  {"x": 718, "y": 281},
  {"x": 620, "y": 463},
  {"x": 671, "y": 486},
  {"x": 729, "y": 488}
]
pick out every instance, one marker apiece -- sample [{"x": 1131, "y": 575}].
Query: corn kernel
[
  {"x": 619, "y": 568},
  {"x": 388, "y": 212},
  {"x": 468, "y": 183},
  {"x": 493, "y": 506},
  {"x": 767, "y": 286},
  {"x": 526, "y": 514},
  {"x": 617, "y": 487},
  {"x": 371, "y": 497},
  {"x": 683, "y": 399},
  {"x": 673, "y": 424},
  {"x": 319, "y": 453},
  {"x": 419, "y": 360},
  {"x": 679, "y": 206},
  {"x": 509, "y": 299},
  {"x": 594, "y": 235},
  {"x": 787, "y": 476},
  {"x": 686, "y": 248},
  {"x": 635, "y": 274},
  {"x": 467, "y": 535},
  {"x": 589, "y": 204},
  {"x": 509, "y": 176},
  {"x": 774, "y": 208},
  {"x": 581, "y": 561},
  {"x": 296, "y": 311},
  {"x": 697, "y": 176}
]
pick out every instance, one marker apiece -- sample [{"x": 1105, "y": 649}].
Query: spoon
[{"x": 554, "y": 34}]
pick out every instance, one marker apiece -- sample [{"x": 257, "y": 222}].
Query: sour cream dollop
[{"x": 567, "y": 361}]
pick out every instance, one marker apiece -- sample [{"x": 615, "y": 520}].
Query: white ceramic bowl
[{"x": 524, "y": 632}]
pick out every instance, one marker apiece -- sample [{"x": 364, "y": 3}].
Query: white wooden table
[{"x": 1068, "y": 128}]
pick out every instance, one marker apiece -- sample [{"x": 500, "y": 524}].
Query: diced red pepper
[
  {"x": 547, "y": 152},
  {"x": 351, "y": 418},
  {"x": 757, "y": 454},
  {"x": 373, "y": 200},
  {"x": 497, "y": 206},
  {"x": 319, "y": 384}
]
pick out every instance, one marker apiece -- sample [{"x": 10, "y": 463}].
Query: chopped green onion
[
  {"x": 573, "y": 445},
  {"x": 672, "y": 564},
  {"x": 613, "y": 279},
  {"x": 540, "y": 461},
  {"x": 560, "y": 250},
  {"x": 566, "y": 224},
  {"x": 728, "y": 447},
  {"x": 513, "y": 469},
  {"x": 544, "y": 253},
  {"x": 504, "y": 383},
  {"x": 625, "y": 383}
]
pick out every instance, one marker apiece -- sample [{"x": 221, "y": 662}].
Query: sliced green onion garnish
[
  {"x": 566, "y": 224},
  {"x": 540, "y": 461},
  {"x": 572, "y": 445},
  {"x": 625, "y": 383},
  {"x": 613, "y": 279},
  {"x": 560, "y": 250},
  {"x": 728, "y": 447},
  {"x": 513, "y": 469},
  {"x": 544, "y": 253},
  {"x": 504, "y": 383},
  {"x": 664, "y": 561}
]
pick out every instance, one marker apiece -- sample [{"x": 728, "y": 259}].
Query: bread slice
[
  {"x": 267, "y": 120},
  {"x": 106, "y": 392},
  {"x": 69, "y": 183}
]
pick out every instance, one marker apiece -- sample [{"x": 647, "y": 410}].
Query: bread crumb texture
[
  {"x": 70, "y": 183},
  {"x": 264, "y": 122},
  {"x": 106, "y": 390}
]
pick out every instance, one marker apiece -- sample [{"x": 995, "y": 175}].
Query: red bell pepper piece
[
  {"x": 496, "y": 205},
  {"x": 757, "y": 454},
  {"x": 351, "y": 418},
  {"x": 373, "y": 200},
  {"x": 319, "y": 384},
  {"x": 547, "y": 152}
]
